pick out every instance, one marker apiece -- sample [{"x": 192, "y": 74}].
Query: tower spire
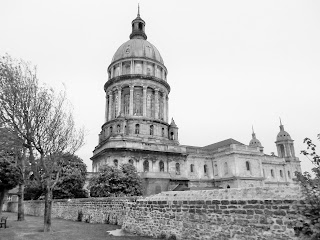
[
  {"x": 281, "y": 126},
  {"x": 253, "y": 134},
  {"x": 138, "y": 26}
]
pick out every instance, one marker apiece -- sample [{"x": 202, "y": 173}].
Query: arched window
[
  {"x": 272, "y": 173},
  {"x": 161, "y": 166},
  {"x": 191, "y": 168},
  {"x": 130, "y": 161},
  {"x": 118, "y": 128},
  {"x": 248, "y": 166},
  {"x": 151, "y": 130},
  {"x": 146, "y": 166},
  {"x": 281, "y": 174},
  {"x": 172, "y": 136},
  {"x": 137, "y": 129},
  {"x": 228, "y": 186},
  {"x": 177, "y": 168},
  {"x": 126, "y": 69},
  {"x": 289, "y": 176},
  {"x": 162, "y": 132},
  {"x": 205, "y": 169},
  {"x": 115, "y": 163},
  {"x": 215, "y": 169},
  {"x": 148, "y": 71},
  {"x": 111, "y": 130},
  {"x": 140, "y": 26},
  {"x": 226, "y": 170},
  {"x": 282, "y": 152}
]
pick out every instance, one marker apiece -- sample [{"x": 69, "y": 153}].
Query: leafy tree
[
  {"x": 9, "y": 178},
  {"x": 11, "y": 148},
  {"x": 42, "y": 119},
  {"x": 111, "y": 182},
  {"x": 71, "y": 181},
  {"x": 311, "y": 190}
]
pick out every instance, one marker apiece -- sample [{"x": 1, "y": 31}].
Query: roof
[
  {"x": 221, "y": 144},
  {"x": 137, "y": 48}
]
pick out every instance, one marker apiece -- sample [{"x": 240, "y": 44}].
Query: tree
[
  {"x": 116, "y": 182},
  {"x": 11, "y": 147},
  {"x": 311, "y": 190},
  {"x": 9, "y": 178},
  {"x": 71, "y": 181},
  {"x": 42, "y": 118}
]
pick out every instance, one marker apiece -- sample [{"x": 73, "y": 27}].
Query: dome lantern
[{"x": 138, "y": 27}]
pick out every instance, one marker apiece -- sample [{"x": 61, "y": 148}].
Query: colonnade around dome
[
  {"x": 136, "y": 100},
  {"x": 137, "y": 66}
]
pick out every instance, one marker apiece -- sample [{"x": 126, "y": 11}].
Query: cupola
[
  {"x": 138, "y": 26},
  {"x": 255, "y": 142}
]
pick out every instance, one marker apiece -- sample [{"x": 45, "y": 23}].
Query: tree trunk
[
  {"x": 47, "y": 210},
  {"x": 3, "y": 194},
  {"x": 21, "y": 162},
  {"x": 21, "y": 203}
]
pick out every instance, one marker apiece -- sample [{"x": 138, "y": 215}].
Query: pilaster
[
  {"x": 131, "y": 100},
  {"x": 144, "y": 101}
]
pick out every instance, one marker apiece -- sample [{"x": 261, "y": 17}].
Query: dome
[
  {"x": 283, "y": 135},
  {"x": 255, "y": 143},
  {"x": 137, "y": 48}
]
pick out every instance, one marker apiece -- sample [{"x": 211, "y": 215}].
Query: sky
[{"x": 231, "y": 64}]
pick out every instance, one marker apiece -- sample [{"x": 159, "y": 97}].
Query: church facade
[{"x": 137, "y": 131}]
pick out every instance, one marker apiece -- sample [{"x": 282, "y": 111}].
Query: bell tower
[{"x": 284, "y": 144}]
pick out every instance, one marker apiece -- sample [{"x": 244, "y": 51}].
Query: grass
[{"x": 32, "y": 229}]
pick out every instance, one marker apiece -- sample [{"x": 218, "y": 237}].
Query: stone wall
[
  {"x": 254, "y": 213},
  {"x": 251, "y": 213},
  {"x": 93, "y": 210}
]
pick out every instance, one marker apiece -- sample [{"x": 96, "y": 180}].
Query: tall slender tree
[{"x": 42, "y": 119}]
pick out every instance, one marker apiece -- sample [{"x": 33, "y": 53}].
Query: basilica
[{"x": 137, "y": 130}]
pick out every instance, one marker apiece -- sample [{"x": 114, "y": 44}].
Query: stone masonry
[{"x": 250, "y": 213}]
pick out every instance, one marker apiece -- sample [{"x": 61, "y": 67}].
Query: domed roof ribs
[{"x": 138, "y": 26}]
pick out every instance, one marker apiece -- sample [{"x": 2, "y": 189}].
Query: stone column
[
  {"x": 162, "y": 73},
  {"x": 131, "y": 100},
  {"x": 144, "y": 101},
  {"x": 112, "y": 72},
  {"x": 144, "y": 68},
  {"x": 132, "y": 67},
  {"x": 119, "y": 101},
  {"x": 110, "y": 105},
  {"x": 164, "y": 107},
  {"x": 167, "y": 106},
  {"x": 156, "y": 107},
  {"x": 106, "y": 109},
  {"x": 120, "y": 64}
]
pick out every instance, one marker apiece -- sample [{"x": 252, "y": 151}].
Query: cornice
[{"x": 135, "y": 76}]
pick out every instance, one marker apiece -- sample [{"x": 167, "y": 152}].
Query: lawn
[{"x": 31, "y": 229}]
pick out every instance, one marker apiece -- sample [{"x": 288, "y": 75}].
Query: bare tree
[{"x": 42, "y": 118}]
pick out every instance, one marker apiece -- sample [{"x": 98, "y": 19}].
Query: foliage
[
  {"x": 70, "y": 184},
  {"x": 311, "y": 189},
  {"x": 112, "y": 181},
  {"x": 9, "y": 175},
  {"x": 42, "y": 118}
]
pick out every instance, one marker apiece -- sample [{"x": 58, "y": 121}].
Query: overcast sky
[{"x": 232, "y": 64}]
